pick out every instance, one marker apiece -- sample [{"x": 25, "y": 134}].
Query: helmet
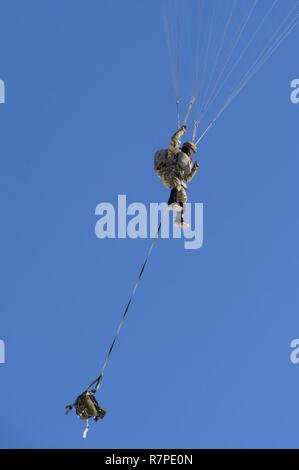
[{"x": 190, "y": 145}]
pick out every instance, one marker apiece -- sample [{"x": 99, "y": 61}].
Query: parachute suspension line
[
  {"x": 264, "y": 56},
  {"x": 220, "y": 49},
  {"x": 225, "y": 31},
  {"x": 212, "y": 98},
  {"x": 173, "y": 65},
  {"x": 274, "y": 42},
  {"x": 198, "y": 50},
  {"x": 178, "y": 35},
  {"x": 222, "y": 42},
  {"x": 95, "y": 385},
  {"x": 235, "y": 42},
  {"x": 205, "y": 63},
  {"x": 231, "y": 49},
  {"x": 173, "y": 38}
]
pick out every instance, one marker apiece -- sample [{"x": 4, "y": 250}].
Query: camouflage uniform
[{"x": 180, "y": 169}]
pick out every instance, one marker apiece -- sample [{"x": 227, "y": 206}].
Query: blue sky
[{"x": 203, "y": 359}]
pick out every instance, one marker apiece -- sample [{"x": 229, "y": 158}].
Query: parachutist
[{"x": 175, "y": 169}]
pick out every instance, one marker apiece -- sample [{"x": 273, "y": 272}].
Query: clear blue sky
[{"x": 203, "y": 359}]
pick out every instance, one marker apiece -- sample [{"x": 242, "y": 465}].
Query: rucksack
[
  {"x": 160, "y": 160},
  {"x": 86, "y": 406}
]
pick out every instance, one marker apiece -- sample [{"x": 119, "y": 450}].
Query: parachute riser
[
  {"x": 178, "y": 113},
  {"x": 196, "y": 126},
  {"x": 190, "y": 106}
]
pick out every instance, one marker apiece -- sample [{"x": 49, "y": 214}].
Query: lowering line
[
  {"x": 86, "y": 405},
  {"x": 97, "y": 382}
]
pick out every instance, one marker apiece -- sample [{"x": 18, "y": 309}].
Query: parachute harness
[{"x": 86, "y": 405}]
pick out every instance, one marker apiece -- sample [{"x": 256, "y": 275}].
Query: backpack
[
  {"x": 87, "y": 406},
  {"x": 160, "y": 160}
]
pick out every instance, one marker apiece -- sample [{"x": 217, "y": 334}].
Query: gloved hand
[{"x": 184, "y": 128}]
